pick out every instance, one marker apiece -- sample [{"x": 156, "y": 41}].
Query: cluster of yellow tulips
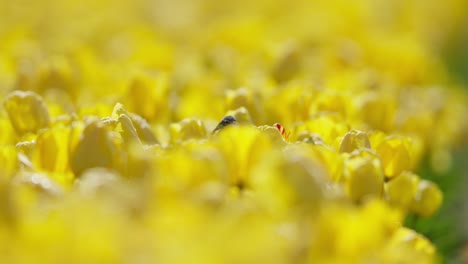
[{"x": 106, "y": 147}]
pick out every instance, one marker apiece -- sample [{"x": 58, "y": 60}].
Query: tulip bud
[
  {"x": 128, "y": 131},
  {"x": 57, "y": 73},
  {"x": 187, "y": 129},
  {"x": 243, "y": 98},
  {"x": 311, "y": 138},
  {"x": 138, "y": 124},
  {"x": 273, "y": 134},
  {"x": 146, "y": 96},
  {"x": 95, "y": 148},
  {"x": 143, "y": 129},
  {"x": 27, "y": 112},
  {"x": 354, "y": 140},
  {"x": 363, "y": 176},
  {"x": 401, "y": 190},
  {"x": 242, "y": 115},
  {"x": 290, "y": 180},
  {"x": 406, "y": 243},
  {"x": 395, "y": 155},
  {"x": 51, "y": 150},
  {"x": 427, "y": 199}
]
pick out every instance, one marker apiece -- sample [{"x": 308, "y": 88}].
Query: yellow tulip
[
  {"x": 354, "y": 140},
  {"x": 406, "y": 243},
  {"x": 50, "y": 152},
  {"x": 242, "y": 147},
  {"x": 97, "y": 147},
  {"x": 395, "y": 154},
  {"x": 401, "y": 190},
  {"x": 377, "y": 110},
  {"x": 27, "y": 112},
  {"x": 57, "y": 73},
  {"x": 244, "y": 98},
  {"x": 146, "y": 96},
  {"x": 242, "y": 115},
  {"x": 187, "y": 129},
  {"x": 292, "y": 181},
  {"x": 128, "y": 131},
  {"x": 329, "y": 127},
  {"x": 143, "y": 129},
  {"x": 427, "y": 200},
  {"x": 363, "y": 176}
]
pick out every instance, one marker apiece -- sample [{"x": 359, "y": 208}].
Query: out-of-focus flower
[
  {"x": 244, "y": 98},
  {"x": 27, "y": 112},
  {"x": 406, "y": 243},
  {"x": 51, "y": 153},
  {"x": 331, "y": 103},
  {"x": 187, "y": 129},
  {"x": 133, "y": 127},
  {"x": 395, "y": 154},
  {"x": 293, "y": 179},
  {"x": 97, "y": 147},
  {"x": 244, "y": 146},
  {"x": 129, "y": 133},
  {"x": 363, "y": 176},
  {"x": 401, "y": 190},
  {"x": 293, "y": 97},
  {"x": 57, "y": 74},
  {"x": 376, "y": 110},
  {"x": 274, "y": 134},
  {"x": 143, "y": 130},
  {"x": 241, "y": 115},
  {"x": 147, "y": 96},
  {"x": 329, "y": 127},
  {"x": 343, "y": 233},
  {"x": 427, "y": 199},
  {"x": 354, "y": 140}
]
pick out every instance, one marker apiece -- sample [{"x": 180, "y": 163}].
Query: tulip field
[{"x": 203, "y": 131}]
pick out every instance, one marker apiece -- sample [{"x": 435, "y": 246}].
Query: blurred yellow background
[{"x": 108, "y": 108}]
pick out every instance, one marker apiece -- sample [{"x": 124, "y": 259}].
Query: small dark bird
[{"x": 227, "y": 120}]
